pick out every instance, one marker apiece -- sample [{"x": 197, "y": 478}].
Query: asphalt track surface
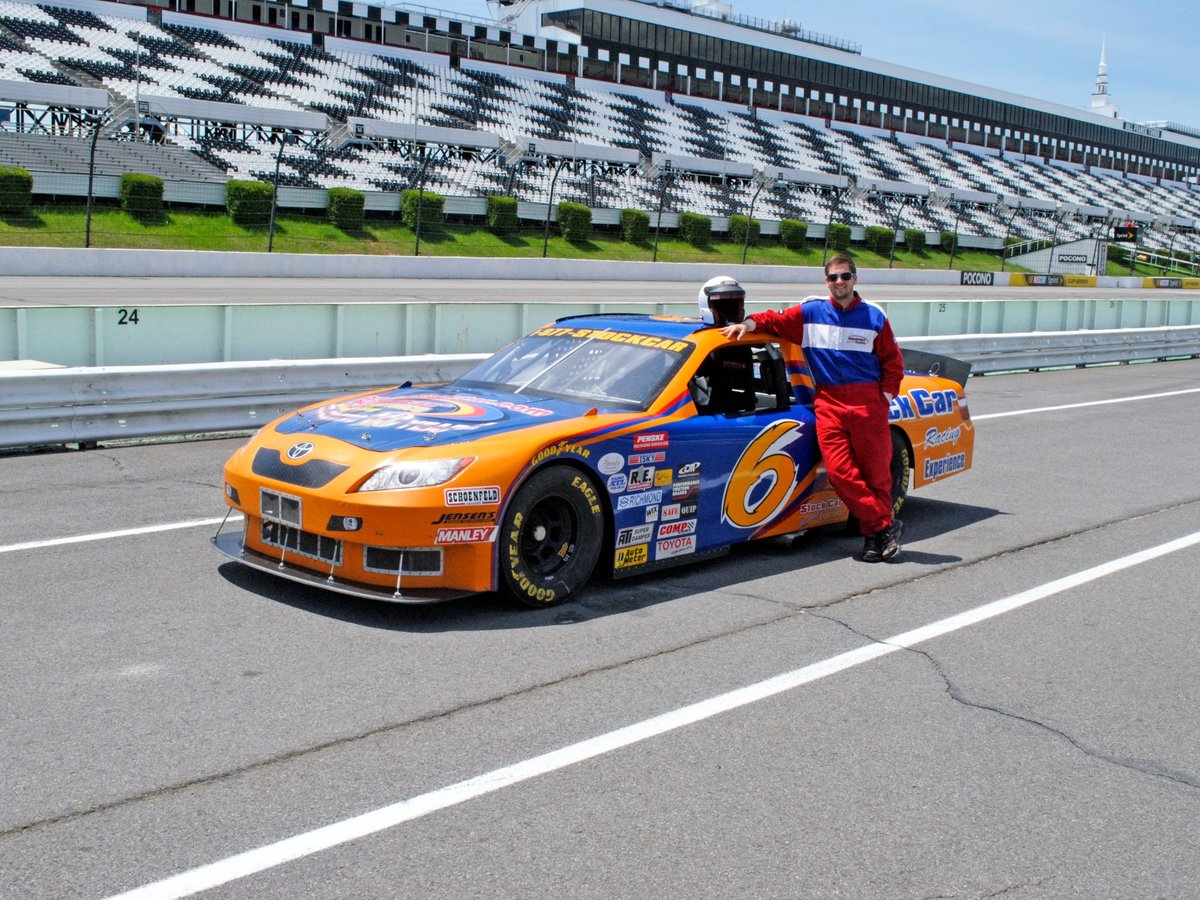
[
  {"x": 54, "y": 291},
  {"x": 175, "y": 723}
]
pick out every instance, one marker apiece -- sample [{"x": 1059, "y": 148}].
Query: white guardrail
[{"x": 87, "y": 405}]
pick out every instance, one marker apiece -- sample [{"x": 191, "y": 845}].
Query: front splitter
[{"x": 231, "y": 545}]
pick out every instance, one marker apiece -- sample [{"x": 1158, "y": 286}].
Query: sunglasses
[{"x": 845, "y": 276}]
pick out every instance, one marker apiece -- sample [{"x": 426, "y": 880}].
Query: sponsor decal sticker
[
  {"x": 646, "y": 459},
  {"x": 467, "y": 535},
  {"x": 638, "y": 534},
  {"x": 662, "y": 477},
  {"x": 816, "y": 506},
  {"x": 472, "y": 518},
  {"x": 685, "y": 490},
  {"x": 617, "y": 482},
  {"x": 670, "y": 511},
  {"x": 645, "y": 498},
  {"x": 632, "y": 556},
  {"x": 610, "y": 463},
  {"x": 652, "y": 513},
  {"x": 688, "y": 509},
  {"x": 688, "y": 470},
  {"x": 676, "y": 529},
  {"x": 641, "y": 478},
  {"x": 558, "y": 450},
  {"x": 651, "y": 440},
  {"x": 677, "y": 546},
  {"x": 480, "y": 496}
]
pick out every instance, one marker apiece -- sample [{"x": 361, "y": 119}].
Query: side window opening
[{"x": 741, "y": 379}]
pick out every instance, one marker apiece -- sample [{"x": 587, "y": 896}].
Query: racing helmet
[{"x": 722, "y": 301}]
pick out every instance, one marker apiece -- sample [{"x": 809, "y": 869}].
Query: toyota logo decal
[{"x": 300, "y": 450}]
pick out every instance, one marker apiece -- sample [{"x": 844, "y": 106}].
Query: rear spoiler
[{"x": 922, "y": 362}]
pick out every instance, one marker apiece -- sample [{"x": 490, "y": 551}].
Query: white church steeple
[{"x": 1101, "y": 101}]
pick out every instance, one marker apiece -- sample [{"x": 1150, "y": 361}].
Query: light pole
[
  {"x": 425, "y": 160},
  {"x": 87, "y": 231},
  {"x": 901, "y": 202},
  {"x": 1007, "y": 231},
  {"x": 550, "y": 203},
  {"x": 1059, "y": 215},
  {"x": 137, "y": 87},
  {"x": 760, "y": 181},
  {"x": 665, "y": 176},
  {"x": 958, "y": 208},
  {"x": 284, "y": 140}
]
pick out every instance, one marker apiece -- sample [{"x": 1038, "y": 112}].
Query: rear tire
[
  {"x": 551, "y": 537},
  {"x": 901, "y": 471}
]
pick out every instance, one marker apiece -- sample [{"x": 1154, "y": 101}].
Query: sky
[{"x": 1046, "y": 49}]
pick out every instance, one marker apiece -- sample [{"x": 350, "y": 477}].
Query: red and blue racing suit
[{"x": 854, "y": 360}]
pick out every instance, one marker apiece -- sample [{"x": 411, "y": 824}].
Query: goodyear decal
[
  {"x": 617, "y": 337},
  {"x": 559, "y": 449}
]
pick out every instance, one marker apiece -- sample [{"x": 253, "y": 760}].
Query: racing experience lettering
[
  {"x": 617, "y": 337},
  {"x": 947, "y": 465}
]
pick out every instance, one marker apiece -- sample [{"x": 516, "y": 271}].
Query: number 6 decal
[{"x": 763, "y": 478}]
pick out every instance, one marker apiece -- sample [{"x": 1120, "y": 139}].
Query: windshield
[{"x": 603, "y": 372}]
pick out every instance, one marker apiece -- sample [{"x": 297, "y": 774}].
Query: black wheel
[
  {"x": 901, "y": 471},
  {"x": 551, "y": 536}
]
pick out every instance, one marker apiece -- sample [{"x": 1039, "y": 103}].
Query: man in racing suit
[{"x": 856, "y": 368}]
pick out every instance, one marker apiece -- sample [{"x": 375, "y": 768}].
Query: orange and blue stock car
[{"x": 621, "y": 442}]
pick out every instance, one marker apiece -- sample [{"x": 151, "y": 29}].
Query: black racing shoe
[
  {"x": 873, "y": 548},
  {"x": 889, "y": 540}
]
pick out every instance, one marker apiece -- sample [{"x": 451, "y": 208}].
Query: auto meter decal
[{"x": 763, "y": 478}]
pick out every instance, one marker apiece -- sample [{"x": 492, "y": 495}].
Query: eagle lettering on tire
[{"x": 551, "y": 536}]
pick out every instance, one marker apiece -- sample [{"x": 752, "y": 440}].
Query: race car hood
[{"x": 426, "y": 417}]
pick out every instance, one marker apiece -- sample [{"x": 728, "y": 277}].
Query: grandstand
[{"x": 619, "y": 103}]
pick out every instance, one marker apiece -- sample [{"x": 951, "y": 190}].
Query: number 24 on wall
[{"x": 127, "y": 317}]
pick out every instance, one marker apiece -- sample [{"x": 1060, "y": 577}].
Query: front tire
[{"x": 551, "y": 536}]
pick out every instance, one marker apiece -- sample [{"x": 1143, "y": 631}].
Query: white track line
[
  {"x": 243, "y": 864},
  {"x": 1042, "y": 409},
  {"x": 107, "y": 535}
]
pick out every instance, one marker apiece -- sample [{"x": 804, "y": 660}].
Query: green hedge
[
  {"x": 574, "y": 221},
  {"x": 839, "y": 236},
  {"x": 635, "y": 225},
  {"x": 501, "y": 214},
  {"x": 880, "y": 240},
  {"x": 16, "y": 190},
  {"x": 914, "y": 239},
  {"x": 695, "y": 229},
  {"x": 947, "y": 240},
  {"x": 345, "y": 207},
  {"x": 248, "y": 202},
  {"x": 432, "y": 208},
  {"x": 793, "y": 233},
  {"x": 141, "y": 195},
  {"x": 737, "y": 230}
]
